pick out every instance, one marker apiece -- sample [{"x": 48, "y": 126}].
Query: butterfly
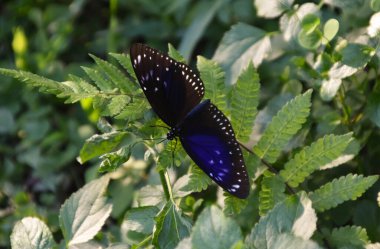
[{"x": 175, "y": 92}]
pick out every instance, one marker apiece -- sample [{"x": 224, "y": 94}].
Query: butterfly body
[{"x": 175, "y": 93}]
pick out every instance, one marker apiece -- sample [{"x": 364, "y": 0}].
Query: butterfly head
[{"x": 172, "y": 133}]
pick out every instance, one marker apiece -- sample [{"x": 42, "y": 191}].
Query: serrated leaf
[
  {"x": 214, "y": 230},
  {"x": 272, "y": 192},
  {"x": 134, "y": 110},
  {"x": 125, "y": 61},
  {"x": 171, "y": 227},
  {"x": 31, "y": 233},
  {"x": 98, "y": 78},
  {"x": 111, "y": 161},
  {"x": 244, "y": 101},
  {"x": 199, "y": 181},
  {"x": 140, "y": 220},
  {"x": 82, "y": 215},
  {"x": 213, "y": 78},
  {"x": 345, "y": 188},
  {"x": 240, "y": 46},
  {"x": 100, "y": 144},
  {"x": 233, "y": 205},
  {"x": 283, "y": 126},
  {"x": 312, "y": 157},
  {"x": 357, "y": 55},
  {"x": 115, "y": 76},
  {"x": 347, "y": 237},
  {"x": 294, "y": 215},
  {"x": 272, "y": 8},
  {"x": 172, "y": 52}
]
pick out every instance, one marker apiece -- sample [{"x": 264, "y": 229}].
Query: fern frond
[
  {"x": 73, "y": 92},
  {"x": 172, "y": 52},
  {"x": 311, "y": 158},
  {"x": 233, "y": 205},
  {"x": 244, "y": 101},
  {"x": 345, "y": 188},
  {"x": 213, "y": 78},
  {"x": 283, "y": 126},
  {"x": 118, "y": 79},
  {"x": 348, "y": 236},
  {"x": 198, "y": 180},
  {"x": 134, "y": 110},
  {"x": 125, "y": 61},
  {"x": 272, "y": 192},
  {"x": 98, "y": 78}
]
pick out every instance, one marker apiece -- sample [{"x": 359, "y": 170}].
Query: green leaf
[
  {"x": 111, "y": 106},
  {"x": 125, "y": 61},
  {"x": 283, "y": 126},
  {"x": 286, "y": 241},
  {"x": 69, "y": 90},
  {"x": 240, "y": 46},
  {"x": 180, "y": 187},
  {"x": 115, "y": 76},
  {"x": 375, "y": 5},
  {"x": 100, "y": 144},
  {"x": 290, "y": 23},
  {"x": 233, "y": 205},
  {"x": 244, "y": 101},
  {"x": 82, "y": 215},
  {"x": 329, "y": 88},
  {"x": 31, "y": 233},
  {"x": 294, "y": 215},
  {"x": 272, "y": 8},
  {"x": 111, "y": 161},
  {"x": 330, "y": 29},
  {"x": 101, "y": 82},
  {"x": 184, "y": 244},
  {"x": 134, "y": 110},
  {"x": 310, "y": 23},
  {"x": 139, "y": 222},
  {"x": 213, "y": 78},
  {"x": 172, "y": 52},
  {"x": 214, "y": 230},
  {"x": 373, "y": 108},
  {"x": 204, "y": 12},
  {"x": 312, "y": 157},
  {"x": 198, "y": 180},
  {"x": 348, "y": 237},
  {"x": 310, "y": 40},
  {"x": 357, "y": 55},
  {"x": 345, "y": 188},
  {"x": 272, "y": 192},
  {"x": 171, "y": 227},
  {"x": 151, "y": 196}
]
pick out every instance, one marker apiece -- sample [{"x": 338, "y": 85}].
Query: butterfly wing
[
  {"x": 171, "y": 87},
  {"x": 208, "y": 138}
]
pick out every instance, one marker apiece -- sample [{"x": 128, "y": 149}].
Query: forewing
[
  {"x": 171, "y": 87},
  {"x": 208, "y": 138}
]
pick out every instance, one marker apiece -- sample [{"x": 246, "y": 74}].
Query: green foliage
[
  {"x": 214, "y": 230},
  {"x": 233, "y": 205},
  {"x": 313, "y": 157},
  {"x": 213, "y": 78},
  {"x": 244, "y": 101},
  {"x": 271, "y": 192},
  {"x": 283, "y": 126},
  {"x": 350, "y": 236},
  {"x": 198, "y": 179},
  {"x": 339, "y": 190}
]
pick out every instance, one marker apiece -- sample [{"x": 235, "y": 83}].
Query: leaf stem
[
  {"x": 270, "y": 167},
  {"x": 142, "y": 243},
  {"x": 165, "y": 181}
]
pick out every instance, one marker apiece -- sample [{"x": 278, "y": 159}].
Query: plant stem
[
  {"x": 142, "y": 243},
  {"x": 165, "y": 181}
]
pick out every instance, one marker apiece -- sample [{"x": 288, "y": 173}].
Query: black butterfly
[{"x": 175, "y": 92}]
